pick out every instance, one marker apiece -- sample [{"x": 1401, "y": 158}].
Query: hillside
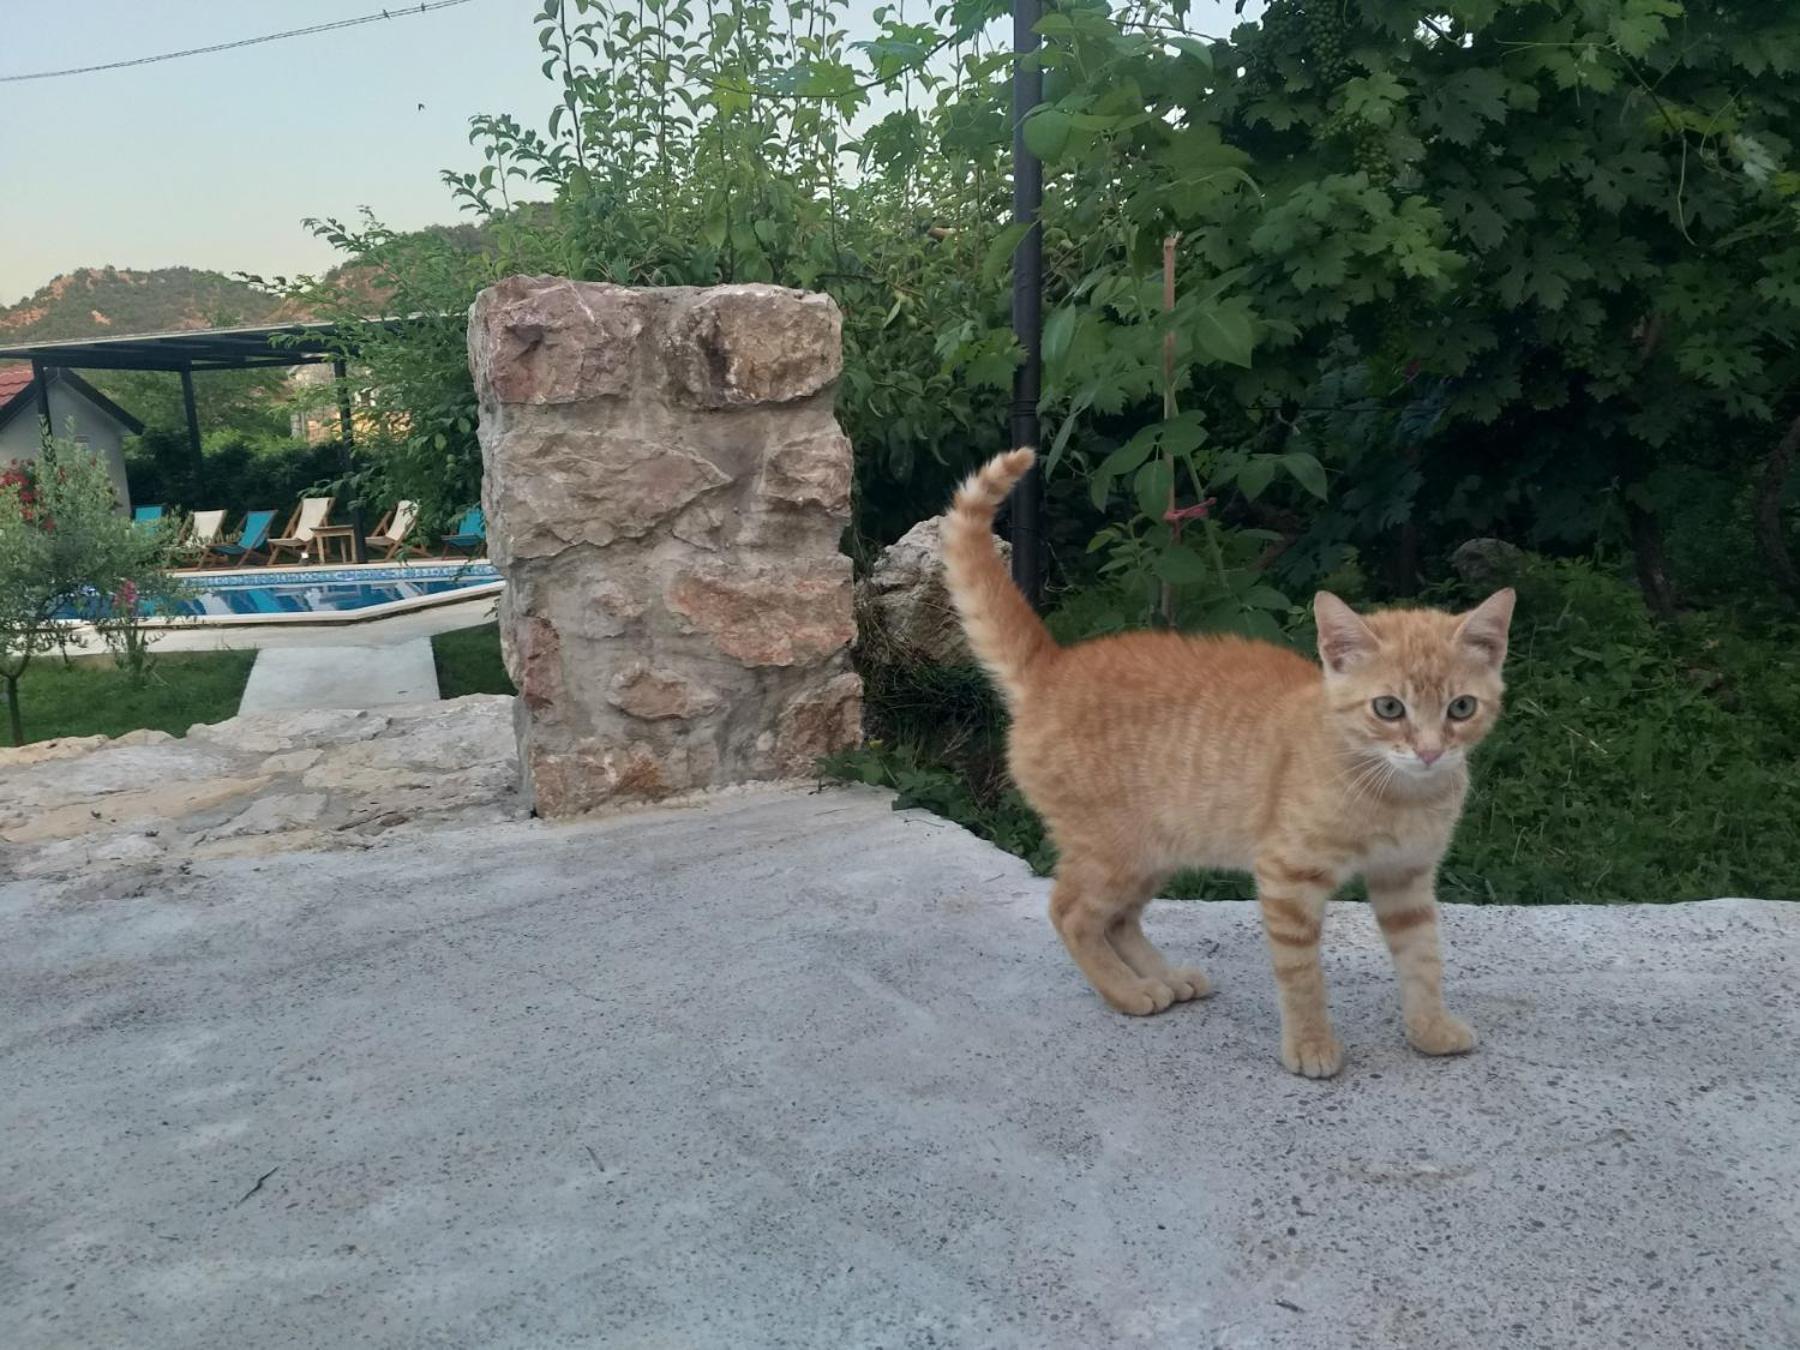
[
  {"x": 115, "y": 302},
  {"x": 110, "y": 302}
]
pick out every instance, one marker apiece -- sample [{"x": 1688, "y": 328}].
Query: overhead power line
[{"x": 396, "y": 12}]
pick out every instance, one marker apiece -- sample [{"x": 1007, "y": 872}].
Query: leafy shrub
[
  {"x": 66, "y": 548},
  {"x": 237, "y": 472}
]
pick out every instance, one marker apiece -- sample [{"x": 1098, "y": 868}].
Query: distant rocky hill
[
  {"x": 111, "y": 302},
  {"x": 115, "y": 302}
]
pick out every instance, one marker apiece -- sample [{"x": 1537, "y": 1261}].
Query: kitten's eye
[
  {"x": 1461, "y": 708},
  {"x": 1389, "y": 709}
]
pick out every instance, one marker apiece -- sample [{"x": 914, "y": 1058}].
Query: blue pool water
[{"x": 322, "y": 590}]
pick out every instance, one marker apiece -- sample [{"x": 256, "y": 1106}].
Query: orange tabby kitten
[{"x": 1149, "y": 752}]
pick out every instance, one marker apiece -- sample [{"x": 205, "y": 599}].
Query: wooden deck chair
[
  {"x": 249, "y": 542},
  {"x": 203, "y": 531},
  {"x": 297, "y": 538},
  {"x": 390, "y": 535}
]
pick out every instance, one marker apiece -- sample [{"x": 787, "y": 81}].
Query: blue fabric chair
[
  {"x": 249, "y": 543},
  {"x": 146, "y": 515},
  {"x": 471, "y": 533}
]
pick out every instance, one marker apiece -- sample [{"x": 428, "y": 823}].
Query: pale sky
[{"x": 213, "y": 161}]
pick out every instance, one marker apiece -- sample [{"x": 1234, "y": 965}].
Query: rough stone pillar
[{"x": 666, "y": 487}]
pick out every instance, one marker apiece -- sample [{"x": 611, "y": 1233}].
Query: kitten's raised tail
[{"x": 1004, "y": 632}]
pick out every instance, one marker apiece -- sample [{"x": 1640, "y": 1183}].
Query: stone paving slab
[
  {"x": 798, "y": 1070},
  {"x": 88, "y": 817},
  {"x": 340, "y": 676}
]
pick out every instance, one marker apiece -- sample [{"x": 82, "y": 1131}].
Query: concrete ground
[
  {"x": 798, "y": 1070},
  {"x": 328, "y": 674}
]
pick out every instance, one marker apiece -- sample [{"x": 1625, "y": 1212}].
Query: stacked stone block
[{"x": 666, "y": 488}]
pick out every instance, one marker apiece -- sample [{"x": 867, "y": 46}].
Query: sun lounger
[
  {"x": 390, "y": 535},
  {"x": 471, "y": 534},
  {"x": 250, "y": 542},
  {"x": 308, "y": 516},
  {"x": 204, "y": 529}
]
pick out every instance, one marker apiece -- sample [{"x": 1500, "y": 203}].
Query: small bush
[
  {"x": 237, "y": 473},
  {"x": 66, "y": 549}
]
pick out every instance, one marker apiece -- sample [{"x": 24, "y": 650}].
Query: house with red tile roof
[{"x": 78, "y": 412}]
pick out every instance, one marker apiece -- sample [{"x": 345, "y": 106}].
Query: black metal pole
[
  {"x": 347, "y": 442},
  {"x": 196, "y": 457},
  {"x": 1027, "y": 302},
  {"x": 40, "y": 383}
]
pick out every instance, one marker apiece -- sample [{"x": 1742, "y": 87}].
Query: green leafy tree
[
  {"x": 1503, "y": 263},
  {"x": 1334, "y": 291},
  {"x": 696, "y": 145},
  {"x": 67, "y": 551},
  {"x": 249, "y": 403}
]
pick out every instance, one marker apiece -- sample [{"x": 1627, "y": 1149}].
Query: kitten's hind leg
[
  {"x": 1085, "y": 904},
  {"x": 1128, "y": 940}
]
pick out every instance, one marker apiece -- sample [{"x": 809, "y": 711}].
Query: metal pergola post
[
  {"x": 1027, "y": 303},
  {"x": 347, "y": 443},
  {"x": 197, "y": 456},
  {"x": 40, "y": 383}
]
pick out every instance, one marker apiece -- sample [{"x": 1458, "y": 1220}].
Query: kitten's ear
[
  {"x": 1344, "y": 639},
  {"x": 1484, "y": 627}
]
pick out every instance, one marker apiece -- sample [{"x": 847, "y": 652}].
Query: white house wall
[{"x": 73, "y": 417}]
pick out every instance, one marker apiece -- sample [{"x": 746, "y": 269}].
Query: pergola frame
[{"x": 302, "y": 344}]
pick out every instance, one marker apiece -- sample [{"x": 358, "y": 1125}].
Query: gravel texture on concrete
[{"x": 794, "y": 1069}]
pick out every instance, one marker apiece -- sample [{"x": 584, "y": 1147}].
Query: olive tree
[{"x": 67, "y": 552}]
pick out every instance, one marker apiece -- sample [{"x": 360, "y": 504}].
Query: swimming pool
[{"x": 325, "y": 594}]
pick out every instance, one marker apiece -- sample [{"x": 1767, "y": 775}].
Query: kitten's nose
[{"x": 1430, "y": 756}]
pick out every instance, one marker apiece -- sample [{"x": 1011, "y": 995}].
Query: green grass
[
  {"x": 468, "y": 662},
  {"x": 91, "y": 696}
]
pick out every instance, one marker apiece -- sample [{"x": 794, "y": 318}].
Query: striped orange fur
[{"x": 1149, "y": 752}]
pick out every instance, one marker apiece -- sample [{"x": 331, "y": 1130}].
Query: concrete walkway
[
  {"x": 340, "y": 676},
  {"x": 797, "y": 1070}
]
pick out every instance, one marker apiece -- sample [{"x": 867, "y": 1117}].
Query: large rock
[
  {"x": 1488, "y": 562},
  {"x": 584, "y": 488},
  {"x": 544, "y": 340},
  {"x": 768, "y": 615},
  {"x": 905, "y": 607},
  {"x": 666, "y": 487},
  {"x": 262, "y": 784},
  {"x": 739, "y": 345},
  {"x": 812, "y": 472},
  {"x": 644, "y": 692}
]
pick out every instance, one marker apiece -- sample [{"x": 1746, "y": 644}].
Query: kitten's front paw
[
  {"x": 1188, "y": 983},
  {"x": 1440, "y": 1033},
  {"x": 1312, "y": 1054},
  {"x": 1142, "y": 998}
]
